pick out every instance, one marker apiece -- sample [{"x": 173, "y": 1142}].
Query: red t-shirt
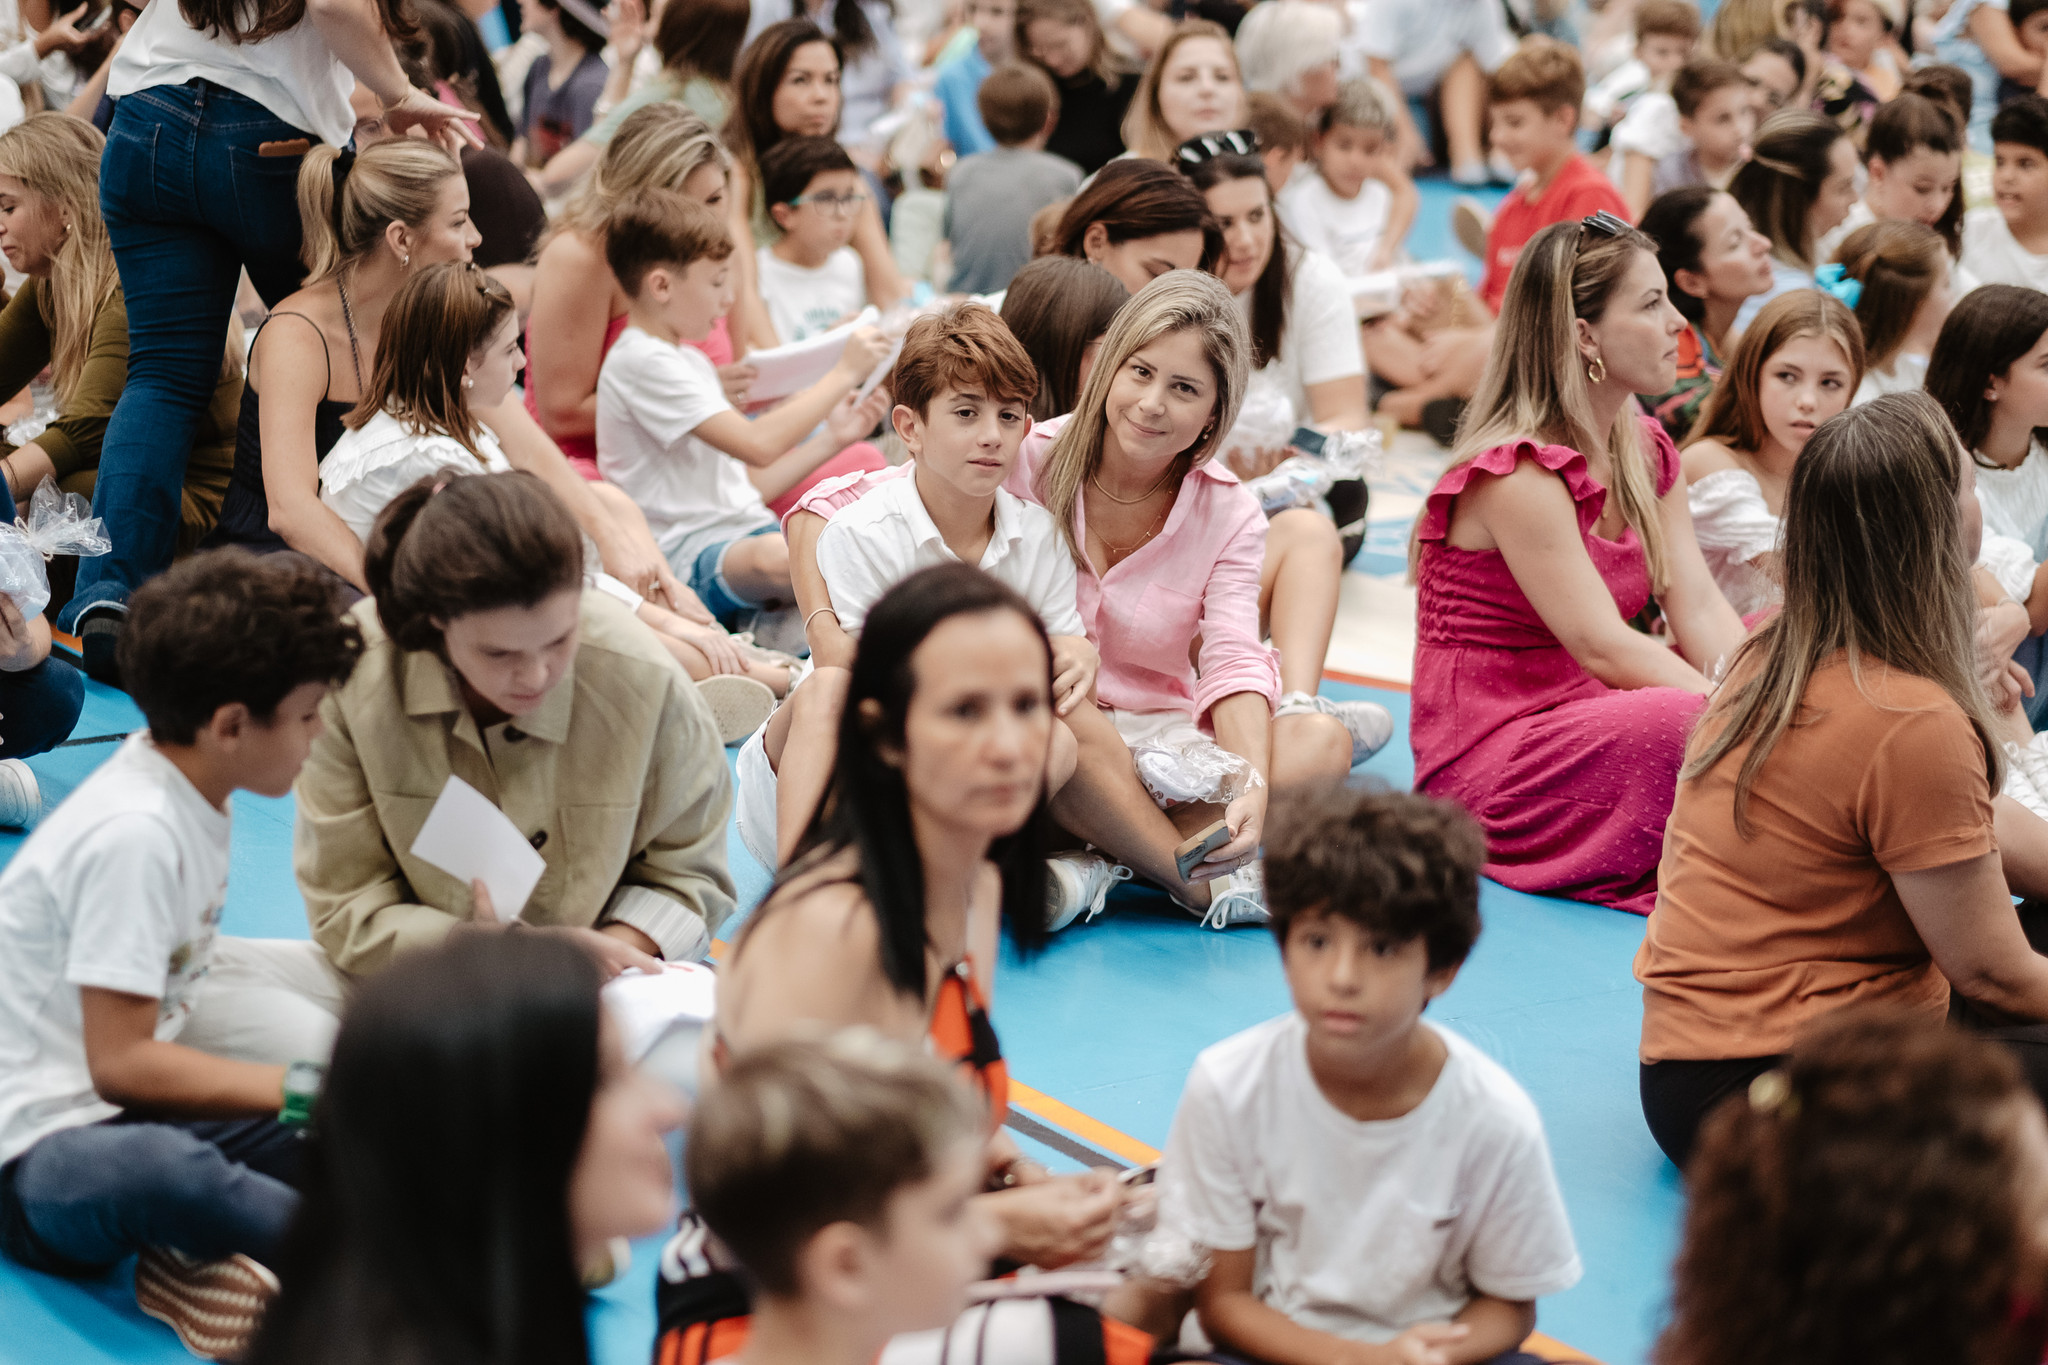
[{"x": 1578, "y": 190}]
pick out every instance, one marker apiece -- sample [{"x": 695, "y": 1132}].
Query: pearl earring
[{"x": 468, "y": 383}]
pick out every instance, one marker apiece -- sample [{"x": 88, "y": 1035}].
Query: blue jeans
[
  {"x": 82, "y": 1199},
  {"x": 188, "y": 203},
  {"x": 39, "y": 706}
]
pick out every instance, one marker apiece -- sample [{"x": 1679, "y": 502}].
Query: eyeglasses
[
  {"x": 1601, "y": 224},
  {"x": 1209, "y": 146},
  {"x": 831, "y": 203}
]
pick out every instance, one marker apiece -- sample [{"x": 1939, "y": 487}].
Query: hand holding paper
[{"x": 473, "y": 841}]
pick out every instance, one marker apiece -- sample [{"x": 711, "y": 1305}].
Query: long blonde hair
[
  {"x": 657, "y": 147},
  {"x": 396, "y": 181},
  {"x": 1178, "y": 301},
  {"x": 57, "y": 157},
  {"x": 1875, "y": 568},
  {"x": 1535, "y": 385},
  {"x": 1145, "y": 131}
]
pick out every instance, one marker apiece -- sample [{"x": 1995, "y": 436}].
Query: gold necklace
[
  {"x": 1117, "y": 552},
  {"x": 1096, "y": 479}
]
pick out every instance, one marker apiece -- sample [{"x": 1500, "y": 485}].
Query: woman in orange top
[
  {"x": 1836, "y": 837},
  {"x": 887, "y": 913}
]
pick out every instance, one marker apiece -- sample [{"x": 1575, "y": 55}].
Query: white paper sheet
[
  {"x": 470, "y": 839},
  {"x": 644, "y": 1004},
  {"x": 785, "y": 370}
]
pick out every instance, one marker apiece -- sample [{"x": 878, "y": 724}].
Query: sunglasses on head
[
  {"x": 1601, "y": 224},
  {"x": 1209, "y": 146}
]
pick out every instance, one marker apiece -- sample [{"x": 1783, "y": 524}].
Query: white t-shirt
[
  {"x": 120, "y": 888},
  {"x": 872, "y": 545},
  {"x": 650, "y": 397},
  {"x": 295, "y": 75},
  {"x": 1320, "y": 341},
  {"x": 1422, "y": 39},
  {"x": 1364, "y": 1229},
  {"x": 1650, "y": 128},
  {"x": 803, "y": 302},
  {"x": 1347, "y": 231},
  {"x": 1993, "y": 256},
  {"x": 368, "y": 468}
]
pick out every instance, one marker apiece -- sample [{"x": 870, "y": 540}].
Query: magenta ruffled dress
[{"x": 1573, "y": 780}]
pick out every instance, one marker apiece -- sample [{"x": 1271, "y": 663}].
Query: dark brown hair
[
  {"x": 1904, "y": 125},
  {"x": 1079, "y": 13},
  {"x": 1056, "y": 307},
  {"x": 1990, "y": 328},
  {"x": 1667, "y": 19},
  {"x": 967, "y": 346},
  {"x": 802, "y": 1134},
  {"x": 661, "y": 228},
  {"x": 449, "y": 546},
  {"x": 439, "y": 318},
  {"x": 1779, "y": 183},
  {"x": 1017, "y": 101},
  {"x": 1400, "y": 866},
  {"x": 788, "y": 169},
  {"x": 1949, "y": 86},
  {"x": 228, "y": 626},
  {"x": 1134, "y": 199},
  {"x": 1858, "y": 1206},
  {"x": 702, "y": 38},
  {"x": 1271, "y": 290},
  {"x": 1542, "y": 70},
  {"x": 1700, "y": 78},
  {"x": 231, "y": 22},
  {"x": 750, "y": 129}
]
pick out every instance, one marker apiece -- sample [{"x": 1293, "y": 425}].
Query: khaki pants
[{"x": 269, "y": 1000}]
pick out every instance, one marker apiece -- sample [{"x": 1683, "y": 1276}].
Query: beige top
[{"x": 618, "y": 779}]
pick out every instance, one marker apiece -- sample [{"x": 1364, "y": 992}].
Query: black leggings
[{"x": 1678, "y": 1096}]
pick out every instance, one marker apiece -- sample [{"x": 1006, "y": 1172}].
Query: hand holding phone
[{"x": 1198, "y": 846}]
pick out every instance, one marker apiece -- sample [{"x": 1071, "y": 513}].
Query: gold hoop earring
[{"x": 1597, "y": 370}]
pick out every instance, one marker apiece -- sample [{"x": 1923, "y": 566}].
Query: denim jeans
[
  {"x": 82, "y": 1199},
  {"x": 38, "y": 706},
  {"x": 189, "y": 203}
]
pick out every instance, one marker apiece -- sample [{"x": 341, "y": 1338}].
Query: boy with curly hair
[{"x": 1371, "y": 1188}]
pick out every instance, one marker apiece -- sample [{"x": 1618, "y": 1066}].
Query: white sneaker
[
  {"x": 738, "y": 704},
  {"x": 21, "y": 799},
  {"x": 1076, "y": 885},
  {"x": 1369, "y": 724},
  {"x": 1238, "y": 898}
]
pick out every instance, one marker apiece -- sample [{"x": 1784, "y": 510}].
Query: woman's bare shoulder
[{"x": 1702, "y": 458}]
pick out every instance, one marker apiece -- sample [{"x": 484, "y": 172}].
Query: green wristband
[{"x": 301, "y": 1087}]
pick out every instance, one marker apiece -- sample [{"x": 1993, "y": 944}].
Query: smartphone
[
  {"x": 1198, "y": 846},
  {"x": 1139, "y": 1175},
  {"x": 1308, "y": 440}
]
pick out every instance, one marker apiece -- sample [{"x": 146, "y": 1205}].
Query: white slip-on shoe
[
  {"x": 21, "y": 797},
  {"x": 1076, "y": 885}
]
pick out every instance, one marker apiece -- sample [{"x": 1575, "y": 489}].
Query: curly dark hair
[
  {"x": 1400, "y": 866},
  {"x": 1863, "y": 1211},
  {"x": 228, "y": 626}
]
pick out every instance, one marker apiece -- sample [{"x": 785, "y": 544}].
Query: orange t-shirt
[{"x": 1753, "y": 938}]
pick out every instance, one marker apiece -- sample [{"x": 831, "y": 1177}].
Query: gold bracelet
[{"x": 816, "y": 614}]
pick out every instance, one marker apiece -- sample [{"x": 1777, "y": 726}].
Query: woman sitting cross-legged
[
  {"x": 1836, "y": 837},
  {"x": 1536, "y": 704}
]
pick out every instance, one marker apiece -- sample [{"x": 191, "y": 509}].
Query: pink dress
[
  {"x": 582, "y": 450},
  {"x": 1573, "y": 780}
]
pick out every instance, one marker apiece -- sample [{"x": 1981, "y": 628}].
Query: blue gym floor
[{"x": 1100, "y": 1031}]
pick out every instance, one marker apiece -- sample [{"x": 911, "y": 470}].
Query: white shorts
[{"x": 753, "y": 803}]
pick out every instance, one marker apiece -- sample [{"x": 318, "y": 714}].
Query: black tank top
[{"x": 245, "y": 509}]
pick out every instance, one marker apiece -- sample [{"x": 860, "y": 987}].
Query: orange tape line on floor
[
  {"x": 1360, "y": 680},
  {"x": 1090, "y": 1130}
]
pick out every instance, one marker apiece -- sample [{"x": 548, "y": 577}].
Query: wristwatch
[{"x": 301, "y": 1087}]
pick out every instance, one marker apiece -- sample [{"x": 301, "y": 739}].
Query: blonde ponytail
[{"x": 398, "y": 181}]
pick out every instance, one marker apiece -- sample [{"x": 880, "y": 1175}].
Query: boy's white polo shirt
[
  {"x": 874, "y": 544},
  {"x": 1365, "y": 1228}
]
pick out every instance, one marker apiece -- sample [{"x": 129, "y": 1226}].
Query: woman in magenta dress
[{"x": 1536, "y": 704}]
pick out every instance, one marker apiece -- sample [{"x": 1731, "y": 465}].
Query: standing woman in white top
[
  {"x": 1895, "y": 275},
  {"x": 1310, "y": 372},
  {"x": 216, "y": 104},
  {"x": 1794, "y": 368},
  {"x": 1797, "y": 185},
  {"x": 1989, "y": 372}
]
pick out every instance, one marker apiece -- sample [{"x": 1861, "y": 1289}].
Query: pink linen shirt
[{"x": 1198, "y": 577}]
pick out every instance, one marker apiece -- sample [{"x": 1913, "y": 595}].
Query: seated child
[
  {"x": 1905, "y": 297},
  {"x": 2008, "y": 242},
  {"x": 1356, "y": 206},
  {"x": 811, "y": 280},
  {"x": 667, "y": 435},
  {"x": 839, "y": 1173},
  {"x": 564, "y": 83},
  {"x": 1717, "y": 117},
  {"x": 1666, "y": 31},
  {"x": 963, "y": 385},
  {"x": 124, "y": 1125},
  {"x": 1534, "y": 99},
  {"x": 1863, "y": 36},
  {"x": 1450, "y": 47},
  {"x": 991, "y": 196},
  {"x": 453, "y": 349},
  {"x": 1913, "y": 161},
  {"x": 1370, "y": 1186},
  {"x": 1281, "y": 135}
]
